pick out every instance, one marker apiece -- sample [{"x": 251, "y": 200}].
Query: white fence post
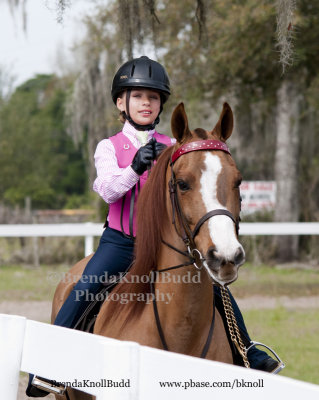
[
  {"x": 84, "y": 360},
  {"x": 88, "y": 246},
  {"x": 88, "y": 240},
  {"x": 12, "y": 330}
]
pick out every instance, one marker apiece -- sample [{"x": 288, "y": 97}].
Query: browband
[{"x": 200, "y": 145}]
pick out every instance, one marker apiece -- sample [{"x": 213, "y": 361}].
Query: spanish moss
[
  {"x": 201, "y": 20},
  {"x": 285, "y": 30},
  {"x": 61, "y": 6}
]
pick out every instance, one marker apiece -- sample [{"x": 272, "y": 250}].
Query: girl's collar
[{"x": 129, "y": 129}]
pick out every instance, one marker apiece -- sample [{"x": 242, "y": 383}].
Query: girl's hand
[
  {"x": 144, "y": 157},
  {"x": 158, "y": 148}
]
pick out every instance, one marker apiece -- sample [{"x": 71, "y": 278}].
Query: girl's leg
[{"x": 114, "y": 255}]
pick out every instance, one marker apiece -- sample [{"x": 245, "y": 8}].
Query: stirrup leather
[
  {"x": 48, "y": 385},
  {"x": 281, "y": 364}
]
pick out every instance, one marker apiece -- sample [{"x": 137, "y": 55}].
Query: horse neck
[{"x": 189, "y": 310}]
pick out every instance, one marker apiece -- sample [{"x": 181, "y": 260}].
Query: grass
[
  {"x": 292, "y": 333},
  {"x": 29, "y": 283},
  {"x": 276, "y": 281},
  {"x": 20, "y": 283}
]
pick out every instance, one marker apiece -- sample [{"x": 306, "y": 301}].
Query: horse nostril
[
  {"x": 239, "y": 257},
  {"x": 211, "y": 254}
]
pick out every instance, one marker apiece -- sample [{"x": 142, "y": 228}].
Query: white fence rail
[
  {"x": 95, "y": 364},
  {"x": 89, "y": 230}
]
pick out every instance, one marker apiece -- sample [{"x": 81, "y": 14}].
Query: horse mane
[{"x": 151, "y": 212}]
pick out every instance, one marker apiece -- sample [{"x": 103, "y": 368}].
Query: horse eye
[
  {"x": 237, "y": 184},
  {"x": 183, "y": 185}
]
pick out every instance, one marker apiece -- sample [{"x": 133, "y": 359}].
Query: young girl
[{"x": 140, "y": 88}]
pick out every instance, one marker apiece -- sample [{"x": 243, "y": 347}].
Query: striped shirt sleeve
[{"x": 112, "y": 182}]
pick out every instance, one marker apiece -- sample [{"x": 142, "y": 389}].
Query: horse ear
[
  {"x": 179, "y": 124},
  {"x": 224, "y": 126}
]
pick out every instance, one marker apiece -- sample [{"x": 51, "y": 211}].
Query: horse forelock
[{"x": 200, "y": 133}]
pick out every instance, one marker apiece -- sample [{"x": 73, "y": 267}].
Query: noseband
[{"x": 186, "y": 233}]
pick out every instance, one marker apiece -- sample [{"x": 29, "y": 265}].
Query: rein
[{"x": 158, "y": 322}]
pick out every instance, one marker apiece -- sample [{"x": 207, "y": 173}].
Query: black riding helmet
[{"x": 141, "y": 72}]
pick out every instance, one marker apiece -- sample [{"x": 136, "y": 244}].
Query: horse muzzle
[{"x": 224, "y": 270}]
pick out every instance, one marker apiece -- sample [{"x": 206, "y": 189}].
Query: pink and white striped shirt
[{"x": 113, "y": 182}]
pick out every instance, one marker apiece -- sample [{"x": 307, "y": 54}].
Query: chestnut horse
[{"x": 184, "y": 189}]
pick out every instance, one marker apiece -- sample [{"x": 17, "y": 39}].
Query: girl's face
[{"x": 144, "y": 105}]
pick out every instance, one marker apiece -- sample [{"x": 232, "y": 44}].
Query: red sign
[{"x": 257, "y": 196}]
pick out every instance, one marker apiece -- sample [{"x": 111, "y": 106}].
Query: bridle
[
  {"x": 193, "y": 254},
  {"x": 185, "y": 232}
]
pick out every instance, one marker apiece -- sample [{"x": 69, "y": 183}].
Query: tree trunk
[{"x": 286, "y": 165}]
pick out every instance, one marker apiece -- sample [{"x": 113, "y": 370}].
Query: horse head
[{"x": 207, "y": 193}]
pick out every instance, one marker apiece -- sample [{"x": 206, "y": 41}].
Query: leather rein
[{"x": 193, "y": 254}]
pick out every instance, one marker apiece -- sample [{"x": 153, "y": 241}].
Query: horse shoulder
[{"x": 141, "y": 329}]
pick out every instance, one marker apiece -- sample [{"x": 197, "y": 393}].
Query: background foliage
[
  {"x": 213, "y": 51},
  {"x": 37, "y": 158}
]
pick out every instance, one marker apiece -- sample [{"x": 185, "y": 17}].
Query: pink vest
[{"x": 125, "y": 152}]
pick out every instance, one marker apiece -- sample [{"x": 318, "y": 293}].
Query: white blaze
[{"x": 221, "y": 228}]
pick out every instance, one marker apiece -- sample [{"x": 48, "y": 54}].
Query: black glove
[
  {"x": 158, "y": 148},
  {"x": 144, "y": 157}
]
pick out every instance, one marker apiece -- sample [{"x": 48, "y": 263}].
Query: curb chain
[{"x": 233, "y": 327}]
